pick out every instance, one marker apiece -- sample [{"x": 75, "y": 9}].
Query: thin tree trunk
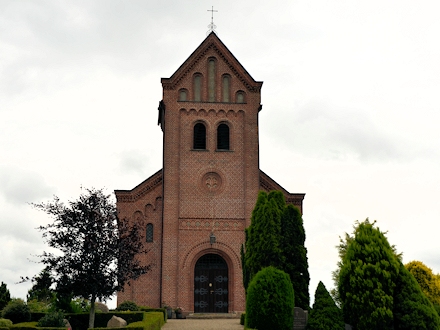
[{"x": 92, "y": 312}]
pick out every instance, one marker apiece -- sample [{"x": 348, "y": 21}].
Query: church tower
[{"x": 197, "y": 207}]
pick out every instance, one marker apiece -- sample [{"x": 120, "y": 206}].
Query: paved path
[{"x": 203, "y": 324}]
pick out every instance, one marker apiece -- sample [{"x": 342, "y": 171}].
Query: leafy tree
[
  {"x": 97, "y": 250},
  {"x": 41, "y": 290},
  {"x": 367, "y": 279},
  {"x": 270, "y": 300},
  {"x": 5, "y": 296},
  {"x": 412, "y": 309},
  {"x": 325, "y": 315},
  {"x": 294, "y": 254},
  {"x": 429, "y": 283}
]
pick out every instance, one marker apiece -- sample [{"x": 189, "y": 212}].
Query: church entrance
[{"x": 211, "y": 284}]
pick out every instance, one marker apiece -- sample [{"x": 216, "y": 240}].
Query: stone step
[{"x": 235, "y": 315}]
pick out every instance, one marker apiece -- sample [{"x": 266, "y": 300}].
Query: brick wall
[{"x": 203, "y": 191}]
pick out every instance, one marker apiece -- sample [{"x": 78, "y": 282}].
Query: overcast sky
[{"x": 351, "y": 110}]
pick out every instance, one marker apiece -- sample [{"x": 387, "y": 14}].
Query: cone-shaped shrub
[
  {"x": 325, "y": 314},
  {"x": 367, "y": 280},
  {"x": 270, "y": 300}
]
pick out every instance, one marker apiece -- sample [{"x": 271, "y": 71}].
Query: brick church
[{"x": 197, "y": 206}]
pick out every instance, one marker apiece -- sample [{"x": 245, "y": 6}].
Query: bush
[
  {"x": 17, "y": 311},
  {"x": 242, "y": 317},
  {"x": 55, "y": 319},
  {"x": 128, "y": 306},
  {"x": 36, "y": 306},
  {"x": 80, "y": 305},
  {"x": 5, "y": 323},
  {"x": 270, "y": 300}
]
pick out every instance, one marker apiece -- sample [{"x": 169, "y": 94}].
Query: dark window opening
[
  {"x": 223, "y": 137},
  {"x": 199, "y": 136},
  {"x": 149, "y": 232}
]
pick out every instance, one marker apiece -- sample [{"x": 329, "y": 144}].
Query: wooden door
[{"x": 211, "y": 285}]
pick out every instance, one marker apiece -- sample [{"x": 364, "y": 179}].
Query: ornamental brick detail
[
  {"x": 212, "y": 224},
  {"x": 212, "y": 182}
]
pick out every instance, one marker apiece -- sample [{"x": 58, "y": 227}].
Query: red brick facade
[{"x": 206, "y": 186}]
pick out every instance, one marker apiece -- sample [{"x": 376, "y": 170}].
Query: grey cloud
[
  {"x": 21, "y": 187},
  {"x": 325, "y": 131},
  {"x": 133, "y": 161}
]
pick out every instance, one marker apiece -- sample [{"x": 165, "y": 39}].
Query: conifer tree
[
  {"x": 294, "y": 254},
  {"x": 368, "y": 273},
  {"x": 262, "y": 247},
  {"x": 41, "y": 290},
  {"x": 5, "y": 296},
  {"x": 276, "y": 238},
  {"x": 325, "y": 315}
]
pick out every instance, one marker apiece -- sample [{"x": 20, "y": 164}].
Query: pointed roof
[{"x": 212, "y": 41}]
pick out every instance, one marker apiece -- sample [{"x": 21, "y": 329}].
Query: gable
[
  {"x": 212, "y": 46},
  {"x": 268, "y": 184},
  {"x": 142, "y": 189}
]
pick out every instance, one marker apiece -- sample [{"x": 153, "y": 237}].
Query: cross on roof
[{"x": 212, "y": 26}]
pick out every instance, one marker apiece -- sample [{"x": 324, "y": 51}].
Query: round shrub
[
  {"x": 270, "y": 300},
  {"x": 17, "y": 311},
  {"x": 128, "y": 306},
  {"x": 5, "y": 323},
  {"x": 55, "y": 319}
]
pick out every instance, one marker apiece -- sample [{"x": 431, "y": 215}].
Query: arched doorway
[{"x": 211, "y": 284}]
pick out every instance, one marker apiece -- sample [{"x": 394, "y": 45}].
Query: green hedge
[
  {"x": 24, "y": 326},
  {"x": 151, "y": 321},
  {"x": 162, "y": 310},
  {"x": 80, "y": 321}
]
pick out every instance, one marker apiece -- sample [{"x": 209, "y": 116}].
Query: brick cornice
[
  {"x": 124, "y": 196},
  {"x": 268, "y": 184}
]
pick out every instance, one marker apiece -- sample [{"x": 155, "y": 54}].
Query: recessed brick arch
[{"x": 223, "y": 250}]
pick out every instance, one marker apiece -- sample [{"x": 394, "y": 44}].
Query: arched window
[
  {"x": 223, "y": 137},
  {"x": 149, "y": 234},
  {"x": 199, "y": 141},
  {"x": 183, "y": 94},
  {"x": 226, "y": 82},
  {"x": 211, "y": 80},
  {"x": 239, "y": 97},
  {"x": 197, "y": 87}
]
